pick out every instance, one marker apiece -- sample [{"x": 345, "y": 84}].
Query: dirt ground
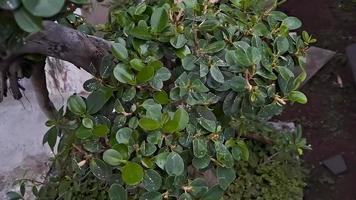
[{"x": 329, "y": 118}]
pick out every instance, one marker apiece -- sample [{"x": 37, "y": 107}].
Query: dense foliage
[{"x": 186, "y": 85}]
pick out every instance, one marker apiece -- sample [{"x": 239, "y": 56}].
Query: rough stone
[
  {"x": 336, "y": 164},
  {"x": 316, "y": 59},
  {"x": 351, "y": 57}
]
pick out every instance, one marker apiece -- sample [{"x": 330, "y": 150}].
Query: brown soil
[{"x": 329, "y": 118}]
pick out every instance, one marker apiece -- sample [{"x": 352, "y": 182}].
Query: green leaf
[
  {"x": 113, "y": 157},
  {"x": 129, "y": 94},
  {"x": 100, "y": 169},
  {"x": 132, "y": 173},
  {"x": 292, "y": 23},
  {"x": 151, "y": 196},
  {"x": 87, "y": 123},
  {"x": 152, "y": 180},
  {"x": 123, "y": 74},
  {"x": 147, "y": 149},
  {"x": 286, "y": 73},
  {"x": 141, "y": 8},
  {"x": 216, "y": 74},
  {"x": 201, "y": 163},
  {"x": 9, "y": 4},
  {"x": 80, "y": 2},
  {"x": 141, "y": 32},
  {"x": 298, "y": 97},
  {"x": 215, "y": 47},
  {"x": 51, "y": 137},
  {"x": 282, "y": 45},
  {"x": 199, "y": 187},
  {"x": 207, "y": 124},
  {"x": 178, "y": 41},
  {"x": 209, "y": 25},
  {"x": 225, "y": 176},
  {"x": 149, "y": 124},
  {"x": 137, "y": 64},
  {"x": 223, "y": 155},
  {"x": 237, "y": 83},
  {"x": 101, "y": 130},
  {"x": 244, "y": 150},
  {"x": 123, "y": 135},
  {"x": 260, "y": 29},
  {"x": 146, "y": 74},
  {"x": 120, "y": 52},
  {"x": 200, "y": 147},
  {"x": 43, "y": 8},
  {"x": 185, "y": 196},
  {"x": 214, "y": 193},
  {"x": 182, "y": 117},
  {"x": 174, "y": 164},
  {"x": 83, "y": 133},
  {"x": 161, "y": 159},
  {"x": 159, "y": 20},
  {"x": 161, "y": 97},
  {"x": 27, "y": 22},
  {"x": 117, "y": 192},
  {"x": 188, "y": 62},
  {"x": 179, "y": 122},
  {"x": 14, "y": 195},
  {"x": 97, "y": 99}
]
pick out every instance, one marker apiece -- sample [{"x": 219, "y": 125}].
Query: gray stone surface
[
  {"x": 351, "y": 57},
  {"x": 316, "y": 59},
  {"x": 22, "y": 126},
  {"x": 336, "y": 164}
]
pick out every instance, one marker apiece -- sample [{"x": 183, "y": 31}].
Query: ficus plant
[{"x": 176, "y": 99}]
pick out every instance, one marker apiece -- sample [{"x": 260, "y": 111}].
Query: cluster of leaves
[
  {"x": 272, "y": 172},
  {"x": 21, "y": 17},
  {"x": 178, "y": 92}
]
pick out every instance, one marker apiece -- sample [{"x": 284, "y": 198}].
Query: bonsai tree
[{"x": 178, "y": 90}]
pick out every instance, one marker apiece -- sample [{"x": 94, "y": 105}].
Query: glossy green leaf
[
  {"x": 83, "y": 133},
  {"x": 123, "y": 74},
  {"x": 298, "y": 97},
  {"x": 123, "y": 135},
  {"x": 209, "y": 25},
  {"x": 101, "y": 130},
  {"x": 43, "y": 8},
  {"x": 282, "y": 44},
  {"x": 178, "y": 41},
  {"x": 237, "y": 83},
  {"x": 100, "y": 169},
  {"x": 174, "y": 164},
  {"x": 146, "y": 74},
  {"x": 27, "y": 22},
  {"x": 113, "y": 157},
  {"x": 161, "y": 97},
  {"x": 137, "y": 64},
  {"x": 151, "y": 196},
  {"x": 159, "y": 20},
  {"x": 120, "y": 52},
  {"x": 214, "y": 193},
  {"x": 97, "y": 99},
  {"x": 223, "y": 155},
  {"x": 188, "y": 62},
  {"x": 201, "y": 163},
  {"x": 292, "y": 23},
  {"x": 132, "y": 173},
  {"x": 149, "y": 124},
  {"x": 217, "y": 75},
  {"x": 117, "y": 192},
  {"x": 215, "y": 47},
  {"x": 152, "y": 180},
  {"x": 161, "y": 160},
  {"x": 87, "y": 123},
  {"x": 225, "y": 176},
  {"x": 200, "y": 147}
]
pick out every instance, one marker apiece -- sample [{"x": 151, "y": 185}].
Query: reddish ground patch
[{"x": 329, "y": 119}]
